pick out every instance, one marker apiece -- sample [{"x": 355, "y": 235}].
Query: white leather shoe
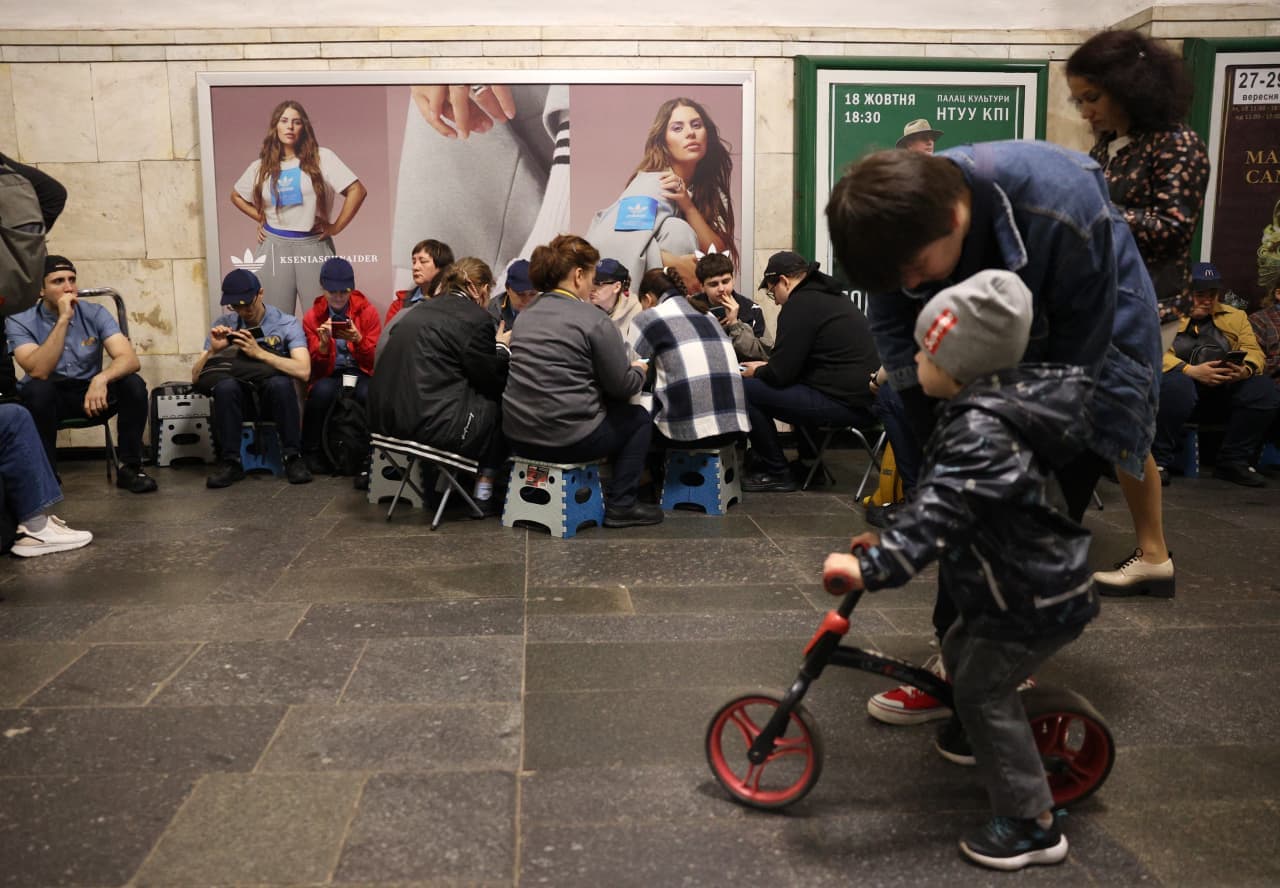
[{"x": 1133, "y": 576}]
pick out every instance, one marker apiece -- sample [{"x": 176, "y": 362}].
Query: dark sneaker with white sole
[
  {"x": 953, "y": 745},
  {"x": 1010, "y": 843},
  {"x": 769, "y": 482},
  {"x": 134, "y": 480},
  {"x": 228, "y": 472}
]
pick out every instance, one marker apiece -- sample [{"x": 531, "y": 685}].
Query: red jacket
[
  {"x": 363, "y": 315},
  {"x": 401, "y": 300}
]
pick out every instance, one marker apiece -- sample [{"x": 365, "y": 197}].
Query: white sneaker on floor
[{"x": 56, "y": 537}]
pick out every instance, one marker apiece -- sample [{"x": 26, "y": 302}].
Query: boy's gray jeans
[{"x": 985, "y": 674}]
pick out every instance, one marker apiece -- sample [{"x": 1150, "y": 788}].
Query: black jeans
[
  {"x": 1248, "y": 406},
  {"x": 797, "y": 405},
  {"x": 234, "y": 403},
  {"x": 51, "y": 401},
  {"x": 623, "y": 436}
]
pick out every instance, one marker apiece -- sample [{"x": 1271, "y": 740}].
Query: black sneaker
[
  {"x": 768, "y": 482},
  {"x": 361, "y": 481},
  {"x": 228, "y": 472},
  {"x": 1010, "y": 843},
  {"x": 295, "y": 469},
  {"x": 636, "y": 515},
  {"x": 134, "y": 480},
  {"x": 1165, "y": 477},
  {"x": 1239, "y": 473},
  {"x": 953, "y": 745},
  {"x": 884, "y": 516}
]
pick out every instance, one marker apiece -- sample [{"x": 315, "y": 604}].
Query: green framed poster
[
  {"x": 848, "y": 107},
  {"x": 1236, "y": 110}
]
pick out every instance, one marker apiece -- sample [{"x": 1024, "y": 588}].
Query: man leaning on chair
[{"x": 59, "y": 343}]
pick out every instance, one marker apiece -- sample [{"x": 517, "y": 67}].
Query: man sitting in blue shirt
[
  {"x": 59, "y": 343},
  {"x": 267, "y": 335}
]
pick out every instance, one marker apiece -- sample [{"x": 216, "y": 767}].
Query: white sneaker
[{"x": 56, "y": 537}]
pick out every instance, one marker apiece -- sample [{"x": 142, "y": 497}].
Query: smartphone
[
  {"x": 1235, "y": 357},
  {"x": 340, "y": 325},
  {"x": 254, "y": 332},
  {"x": 719, "y": 311}
]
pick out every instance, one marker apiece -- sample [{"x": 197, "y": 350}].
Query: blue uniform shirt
[
  {"x": 81, "y": 356},
  {"x": 281, "y": 333}
]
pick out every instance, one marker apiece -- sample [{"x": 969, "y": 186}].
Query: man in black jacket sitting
[{"x": 817, "y": 374}]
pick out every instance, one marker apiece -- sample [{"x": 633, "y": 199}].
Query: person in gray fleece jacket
[{"x": 568, "y": 390}]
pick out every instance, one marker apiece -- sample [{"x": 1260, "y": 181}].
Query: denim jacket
[{"x": 1044, "y": 212}]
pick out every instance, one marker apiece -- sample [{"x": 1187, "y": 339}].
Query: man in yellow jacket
[{"x": 1213, "y": 372}]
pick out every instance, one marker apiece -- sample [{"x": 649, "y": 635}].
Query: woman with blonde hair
[{"x": 290, "y": 191}]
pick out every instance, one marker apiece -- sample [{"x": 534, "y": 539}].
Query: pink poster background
[
  {"x": 352, "y": 121},
  {"x": 609, "y": 123}
]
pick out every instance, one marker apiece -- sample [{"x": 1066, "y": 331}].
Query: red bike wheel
[
  {"x": 1074, "y": 742},
  {"x": 786, "y": 775}
]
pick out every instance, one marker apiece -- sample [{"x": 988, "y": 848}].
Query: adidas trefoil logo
[{"x": 248, "y": 261}]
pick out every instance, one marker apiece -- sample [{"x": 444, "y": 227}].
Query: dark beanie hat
[{"x": 57, "y": 263}]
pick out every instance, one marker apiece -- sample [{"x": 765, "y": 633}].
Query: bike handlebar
[{"x": 837, "y": 582}]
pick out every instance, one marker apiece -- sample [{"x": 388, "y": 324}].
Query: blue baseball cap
[
  {"x": 1204, "y": 276},
  {"x": 609, "y": 271},
  {"x": 240, "y": 287},
  {"x": 337, "y": 275},
  {"x": 518, "y": 277}
]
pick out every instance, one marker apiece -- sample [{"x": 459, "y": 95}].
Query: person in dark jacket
[
  {"x": 988, "y": 508},
  {"x": 440, "y": 374},
  {"x": 818, "y": 371}
]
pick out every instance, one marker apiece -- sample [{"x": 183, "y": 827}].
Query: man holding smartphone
[
  {"x": 265, "y": 334},
  {"x": 342, "y": 329},
  {"x": 1213, "y": 372}
]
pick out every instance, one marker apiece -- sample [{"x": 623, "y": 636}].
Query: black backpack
[
  {"x": 22, "y": 247},
  {"x": 345, "y": 438}
]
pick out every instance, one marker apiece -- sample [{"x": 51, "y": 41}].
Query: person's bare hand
[
  {"x": 749, "y": 368},
  {"x": 458, "y": 110},
  {"x": 879, "y": 378},
  {"x": 503, "y": 335},
  {"x": 1212, "y": 373},
  {"x": 95, "y": 397},
  {"x": 220, "y": 338}
]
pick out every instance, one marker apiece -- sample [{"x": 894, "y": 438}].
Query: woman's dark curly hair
[{"x": 1144, "y": 77}]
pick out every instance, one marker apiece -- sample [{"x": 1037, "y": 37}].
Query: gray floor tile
[
  {"x": 717, "y": 599},
  {"x": 248, "y": 673},
  {"x": 116, "y": 741},
  {"x": 397, "y": 738},
  {"x": 83, "y": 830},
  {"x": 120, "y": 586},
  {"x": 648, "y": 563},
  {"x": 439, "y": 670},
  {"x": 437, "y": 826},
  {"x": 561, "y": 600},
  {"x": 25, "y": 667},
  {"x": 479, "y": 617},
  {"x": 672, "y": 627},
  {"x": 390, "y": 582},
  {"x": 256, "y": 828},
  {"x": 52, "y": 623},
  {"x": 113, "y": 675},
  {"x": 199, "y": 622}
]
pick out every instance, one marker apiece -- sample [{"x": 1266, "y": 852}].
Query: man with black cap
[
  {"x": 817, "y": 373},
  {"x": 1214, "y": 367},
  {"x": 59, "y": 343},
  {"x": 265, "y": 334},
  {"x": 612, "y": 295},
  {"x": 519, "y": 294}
]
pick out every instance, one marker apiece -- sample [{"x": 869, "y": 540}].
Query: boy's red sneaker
[{"x": 907, "y": 705}]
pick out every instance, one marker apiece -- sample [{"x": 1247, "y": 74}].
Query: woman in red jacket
[{"x": 342, "y": 329}]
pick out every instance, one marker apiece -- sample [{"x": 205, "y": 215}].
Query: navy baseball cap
[
  {"x": 609, "y": 271},
  {"x": 240, "y": 287},
  {"x": 1204, "y": 276},
  {"x": 518, "y": 276},
  {"x": 337, "y": 275}
]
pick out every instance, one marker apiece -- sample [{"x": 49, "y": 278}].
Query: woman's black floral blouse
[{"x": 1158, "y": 181}]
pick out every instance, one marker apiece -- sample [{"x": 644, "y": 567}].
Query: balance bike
[{"x": 767, "y": 753}]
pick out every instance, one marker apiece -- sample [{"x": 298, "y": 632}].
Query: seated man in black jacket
[{"x": 817, "y": 374}]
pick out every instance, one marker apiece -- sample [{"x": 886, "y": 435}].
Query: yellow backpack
[{"x": 890, "y": 489}]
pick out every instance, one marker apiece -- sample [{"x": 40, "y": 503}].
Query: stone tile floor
[{"x": 273, "y": 685}]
